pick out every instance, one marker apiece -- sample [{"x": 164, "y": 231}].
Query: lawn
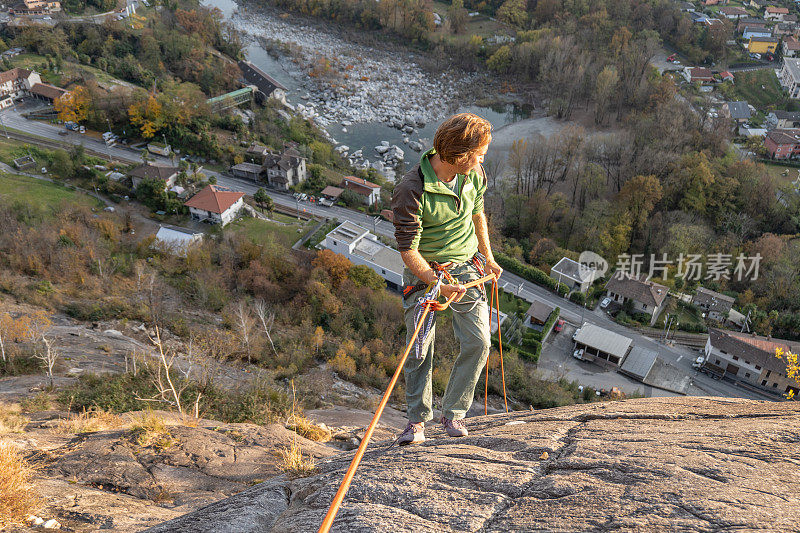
[
  {"x": 683, "y": 315},
  {"x": 286, "y": 231},
  {"x": 70, "y": 71},
  {"x": 510, "y": 304},
  {"x": 784, "y": 174},
  {"x": 41, "y": 194},
  {"x": 760, "y": 88}
]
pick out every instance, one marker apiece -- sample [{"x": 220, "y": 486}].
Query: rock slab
[{"x": 654, "y": 464}]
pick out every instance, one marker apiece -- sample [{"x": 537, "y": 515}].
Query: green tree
[
  {"x": 261, "y": 197},
  {"x": 363, "y": 276},
  {"x": 500, "y": 61}
]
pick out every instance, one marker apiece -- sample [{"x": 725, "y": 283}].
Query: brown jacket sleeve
[{"x": 407, "y": 210}]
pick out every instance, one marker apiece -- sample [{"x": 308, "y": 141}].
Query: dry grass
[
  {"x": 17, "y": 497},
  {"x": 11, "y": 418},
  {"x": 42, "y": 401},
  {"x": 305, "y": 428},
  {"x": 293, "y": 463},
  {"x": 150, "y": 429},
  {"x": 90, "y": 421}
]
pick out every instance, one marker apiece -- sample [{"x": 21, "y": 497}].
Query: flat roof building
[
  {"x": 602, "y": 346},
  {"x": 362, "y": 248}
]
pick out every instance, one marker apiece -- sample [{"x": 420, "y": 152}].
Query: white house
[
  {"x": 646, "y": 296},
  {"x": 19, "y": 82},
  {"x": 571, "y": 274},
  {"x": 154, "y": 171},
  {"x": 215, "y": 204},
  {"x": 362, "y": 248},
  {"x": 370, "y": 192},
  {"x": 775, "y": 13}
]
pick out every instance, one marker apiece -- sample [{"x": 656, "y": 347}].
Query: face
[{"x": 476, "y": 158}]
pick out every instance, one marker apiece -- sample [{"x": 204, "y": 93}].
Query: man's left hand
[{"x": 494, "y": 268}]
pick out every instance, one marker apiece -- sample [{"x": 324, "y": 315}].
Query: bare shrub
[{"x": 17, "y": 497}]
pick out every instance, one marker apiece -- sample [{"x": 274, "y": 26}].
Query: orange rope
[{"x": 351, "y": 470}]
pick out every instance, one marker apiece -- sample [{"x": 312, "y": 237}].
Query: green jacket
[{"x": 432, "y": 218}]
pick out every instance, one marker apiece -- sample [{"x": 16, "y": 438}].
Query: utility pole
[
  {"x": 746, "y": 322},
  {"x": 375, "y": 221},
  {"x": 668, "y": 326},
  {"x": 297, "y": 203},
  {"x": 4, "y": 126}
]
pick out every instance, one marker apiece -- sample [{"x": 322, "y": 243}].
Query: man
[{"x": 439, "y": 221}]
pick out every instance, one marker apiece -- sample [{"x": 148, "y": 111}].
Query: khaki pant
[{"x": 471, "y": 328}]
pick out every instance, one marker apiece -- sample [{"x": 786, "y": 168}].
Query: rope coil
[{"x": 428, "y": 305}]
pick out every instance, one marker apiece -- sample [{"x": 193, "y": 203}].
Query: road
[{"x": 680, "y": 357}]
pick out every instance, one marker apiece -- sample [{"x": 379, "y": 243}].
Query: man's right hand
[{"x": 447, "y": 290}]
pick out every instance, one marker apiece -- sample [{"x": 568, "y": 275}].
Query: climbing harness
[{"x": 426, "y": 305}]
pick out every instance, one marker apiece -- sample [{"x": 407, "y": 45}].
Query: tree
[
  {"x": 148, "y": 115},
  {"x": 363, "y": 276},
  {"x": 267, "y": 318},
  {"x": 457, "y": 16},
  {"x": 605, "y": 88},
  {"x": 261, "y": 197},
  {"x": 638, "y": 197},
  {"x": 244, "y": 326},
  {"x": 336, "y": 265},
  {"x": 74, "y": 105},
  {"x": 500, "y": 61}
]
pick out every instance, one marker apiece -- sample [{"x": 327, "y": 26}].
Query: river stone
[{"x": 654, "y": 464}]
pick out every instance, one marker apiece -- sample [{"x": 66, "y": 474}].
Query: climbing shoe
[
  {"x": 413, "y": 434},
  {"x": 455, "y": 428}
]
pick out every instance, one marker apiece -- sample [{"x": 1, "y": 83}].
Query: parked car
[
  {"x": 63, "y": 132},
  {"x": 698, "y": 362},
  {"x": 575, "y": 335},
  {"x": 559, "y": 326},
  {"x": 82, "y": 129},
  {"x": 325, "y": 202},
  {"x": 578, "y": 354},
  {"x": 605, "y": 302}
]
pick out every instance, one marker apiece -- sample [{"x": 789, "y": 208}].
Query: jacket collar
[{"x": 430, "y": 181}]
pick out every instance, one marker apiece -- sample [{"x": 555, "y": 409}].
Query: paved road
[{"x": 680, "y": 357}]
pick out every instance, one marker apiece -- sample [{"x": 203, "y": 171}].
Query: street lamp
[{"x": 375, "y": 221}]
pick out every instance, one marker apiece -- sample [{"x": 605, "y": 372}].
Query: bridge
[{"x": 232, "y": 99}]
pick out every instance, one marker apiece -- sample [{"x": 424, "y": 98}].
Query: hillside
[{"x": 688, "y": 464}]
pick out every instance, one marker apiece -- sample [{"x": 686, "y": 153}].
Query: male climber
[{"x": 440, "y": 225}]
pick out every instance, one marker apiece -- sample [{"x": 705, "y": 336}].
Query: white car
[
  {"x": 578, "y": 354},
  {"x": 574, "y": 335},
  {"x": 698, "y": 362},
  {"x": 605, "y": 302}
]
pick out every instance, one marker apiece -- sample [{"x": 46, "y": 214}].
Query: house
[
  {"x": 332, "y": 193},
  {"x": 267, "y": 86},
  {"x": 751, "y": 359},
  {"x": 285, "y": 169},
  {"x": 176, "y": 240},
  {"x": 698, "y": 74},
  {"x": 791, "y": 46},
  {"x": 785, "y": 28},
  {"x": 47, "y": 93},
  {"x": 20, "y": 82},
  {"x": 757, "y": 4},
  {"x": 154, "y": 171},
  {"x": 215, "y": 204},
  {"x": 775, "y": 13},
  {"x": 760, "y": 32},
  {"x": 247, "y": 171},
  {"x": 34, "y": 7},
  {"x": 362, "y": 248},
  {"x": 762, "y": 45},
  {"x": 790, "y": 77},
  {"x": 573, "y": 275},
  {"x": 688, "y": 7},
  {"x": 782, "y": 144},
  {"x": 750, "y": 22},
  {"x": 646, "y": 296},
  {"x": 716, "y": 305},
  {"x": 602, "y": 346},
  {"x": 784, "y": 120},
  {"x": 711, "y": 2},
  {"x": 538, "y": 313},
  {"x": 370, "y": 192},
  {"x": 738, "y": 111},
  {"x": 726, "y": 76},
  {"x": 733, "y": 12},
  {"x": 256, "y": 153}
]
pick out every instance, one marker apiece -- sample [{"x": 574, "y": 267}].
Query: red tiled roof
[
  {"x": 778, "y": 10},
  {"x": 214, "y": 199},
  {"x": 48, "y": 91},
  {"x": 362, "y": 182},
  {"x": 784, "y": 137},
  {"x": 13, "y": 74},
  {"x": 791, "y": 43}
]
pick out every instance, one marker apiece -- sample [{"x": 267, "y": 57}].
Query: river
[{"x": 355, "y": 134}]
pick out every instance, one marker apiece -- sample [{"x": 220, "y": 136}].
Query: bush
[
  {"x": 530, "y": 273},
  {"x": 17, "y": 498}
]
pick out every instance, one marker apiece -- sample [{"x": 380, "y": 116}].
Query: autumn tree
[
  {"x": 457, "y": 16},
  {"x": 73, "y": 106},
  {"x": 148, "y": 115},
  {"x": 638, "y": 197},
  {"x": 336, "y": 265}
]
